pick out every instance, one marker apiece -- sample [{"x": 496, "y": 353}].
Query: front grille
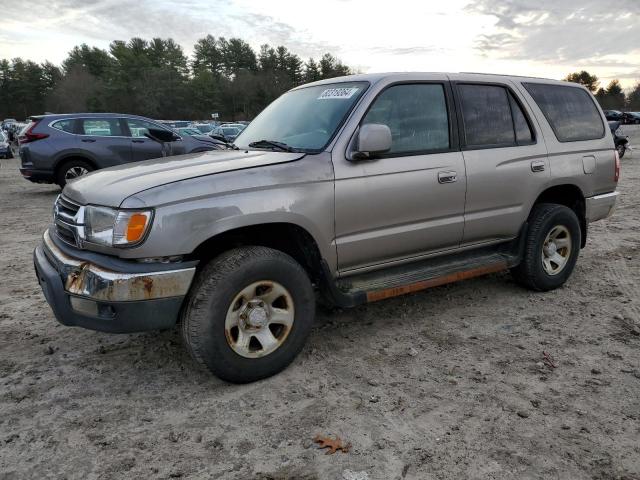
[{"x": 67, "y": 221}]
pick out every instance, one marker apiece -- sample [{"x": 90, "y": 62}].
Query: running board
[{"x": 412, "y": 277}]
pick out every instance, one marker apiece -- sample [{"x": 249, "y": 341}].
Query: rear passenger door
[
  {"x": 104, "y": 141},
  {"x": 505, "y": 158}
]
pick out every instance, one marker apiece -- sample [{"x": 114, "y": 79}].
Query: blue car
[{"x": 58, "y": 148}]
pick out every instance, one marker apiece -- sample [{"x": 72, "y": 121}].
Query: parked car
[
  {"x": 228, "y": 133},
  {"x": 631, "y": 118},
  {"x": 613, "y": 115},
  {"x": 356, "y": 189},
  {"x": 175, "y": 123},
  {"x": 188, "y": 131},
  {"x": 59, "y": 148},
  {"x": 5, "y": 146},
  {"x": 620, "y": 140},
  {"x": 203, "y": 128}
]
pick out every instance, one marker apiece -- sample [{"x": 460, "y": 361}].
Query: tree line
[
  {"x": 156, "y": 79},
  {"x": 611, "y": 97}
]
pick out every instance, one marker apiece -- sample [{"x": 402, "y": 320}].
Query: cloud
[
  {"x": 569, "y": 31},
  {"x": 185, "y": 21}
]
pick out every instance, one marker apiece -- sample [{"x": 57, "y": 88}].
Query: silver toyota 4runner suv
[{"x": 349, "y": 190}]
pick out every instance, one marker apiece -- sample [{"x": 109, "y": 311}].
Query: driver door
[
  {"x": 142, "y": 147},
  {"x": 409, "y": 201}
]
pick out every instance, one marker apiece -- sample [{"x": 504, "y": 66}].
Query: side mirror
[
  {"x": 373, "y": 138},
  {"x": 216, "y": 136},
  {"x": 161, "y": 135}
]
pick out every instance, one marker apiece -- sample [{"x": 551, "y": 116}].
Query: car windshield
[
  {"x": 230, "y": 131},
  {"x": 305, "y": 119}
]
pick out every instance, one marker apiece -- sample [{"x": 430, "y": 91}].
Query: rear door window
[
  {"x": 416, "y": 115},
  {"x": 101, "y": 127},
  {"x": 492, "y": 117},
  {"x": 570, "y": 111}
]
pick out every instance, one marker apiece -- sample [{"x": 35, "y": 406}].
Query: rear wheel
[
  {"x": 621, "y": 150},
  {"x": 552, "y": 245},
  {"x": 71, "y": 170},
  {"x": 248, "y": 314}
]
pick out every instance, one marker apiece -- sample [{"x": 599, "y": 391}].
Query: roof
[
  {"x": 88, "y": 115},
  {"x": 400, "y": 76}
]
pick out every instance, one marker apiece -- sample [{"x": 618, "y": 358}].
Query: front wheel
[
  {"x": 621, "y": 150},
  {"x": 552, "y": 245},
  {"x": 248, "y": 314}
]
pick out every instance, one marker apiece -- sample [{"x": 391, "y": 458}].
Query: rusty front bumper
[{"x": 132, "y": 298}]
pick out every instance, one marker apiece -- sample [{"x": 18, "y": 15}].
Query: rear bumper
[
  {"x": 600, "y": 206},
  {"x": 84, "y": 294},
  {"x": 37, "y": 176}
]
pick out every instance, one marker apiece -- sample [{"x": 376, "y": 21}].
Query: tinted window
[
  {"x": 523, "y": 130},
  {"x": 417, "y": 116},
  {"x": 65, "y": 125},
  {"x": 138, "y": 127},
  {"x": 101, "y": 127},
  {"x": 487, "y": 115},
  {"x": 570, "y": 111}
]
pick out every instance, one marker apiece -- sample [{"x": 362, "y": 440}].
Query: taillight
[
  {"x": 28, "y": 136},
  {"x": 616, "y": 172}
]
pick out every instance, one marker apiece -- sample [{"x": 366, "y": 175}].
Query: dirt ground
[{"x": 445, "y": 384}]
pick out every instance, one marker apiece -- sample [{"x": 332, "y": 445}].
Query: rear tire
[
  {"x": 552, "y": 246},
  {"x": 621, "y": 151},
  {"x": 227, "y": 319},
  {"x": 72, "y": 169}
]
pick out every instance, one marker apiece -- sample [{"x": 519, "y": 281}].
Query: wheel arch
[
  {"x": 571, "y": 196},
  {"x": 286, "y": 237},
  {"x": 60, "y": 162}
]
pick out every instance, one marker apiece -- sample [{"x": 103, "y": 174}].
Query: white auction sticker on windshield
[{"x": 342, "y": 93}]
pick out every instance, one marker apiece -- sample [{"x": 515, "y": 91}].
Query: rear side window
[
  {"x": 492, "y": 117},
  {"x": 570, "y": 111},
  {"x": 416, "y": 115},
  {"x": 65, "y": 125},
  {"x": 101, "y": 127}
]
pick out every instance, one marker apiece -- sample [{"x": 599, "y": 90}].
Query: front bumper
[
  {"x": 600, "y": 206},
  {"x": 130, "y": 298}
]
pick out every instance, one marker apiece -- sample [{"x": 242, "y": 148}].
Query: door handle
[
  {"x": 447, "y": 177},
  {"x": 137, "y": 141},
  {"x": 538, "y": 166},
  {"x": 88, "y": 140}
]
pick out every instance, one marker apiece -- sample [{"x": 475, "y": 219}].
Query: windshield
[
  {"x": 305, "y": 119},
  {"x": 230, "y": 131}
]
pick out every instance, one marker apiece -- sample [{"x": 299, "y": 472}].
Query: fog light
[{"x": 84, "y": 306}]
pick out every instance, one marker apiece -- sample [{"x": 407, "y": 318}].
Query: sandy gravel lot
[{"x": 444, "y": 384}]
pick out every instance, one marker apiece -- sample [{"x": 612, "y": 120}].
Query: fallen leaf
[{"x": 332, "y": 445}]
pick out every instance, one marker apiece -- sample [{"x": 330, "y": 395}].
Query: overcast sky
[{"x": 548, "y": 38}]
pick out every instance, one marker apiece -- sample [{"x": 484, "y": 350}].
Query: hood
[{"x": 111, "y": 186}]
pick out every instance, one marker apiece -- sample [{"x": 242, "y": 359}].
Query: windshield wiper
[{"x": 272, "y": 143}]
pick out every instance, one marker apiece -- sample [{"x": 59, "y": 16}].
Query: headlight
[{"x": 117, "y": 228}]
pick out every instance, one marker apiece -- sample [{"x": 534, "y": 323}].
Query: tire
[
  {"x": 222, "y": 293},
  {"x": 535, "y": 271},
  {"x": 66, "y": 171},
  {"x": 621, "y": 151}
]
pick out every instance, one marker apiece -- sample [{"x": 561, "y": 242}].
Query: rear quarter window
[
  {"x": 64, "y": 125},
  {"x": 570, "y": 111}
]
